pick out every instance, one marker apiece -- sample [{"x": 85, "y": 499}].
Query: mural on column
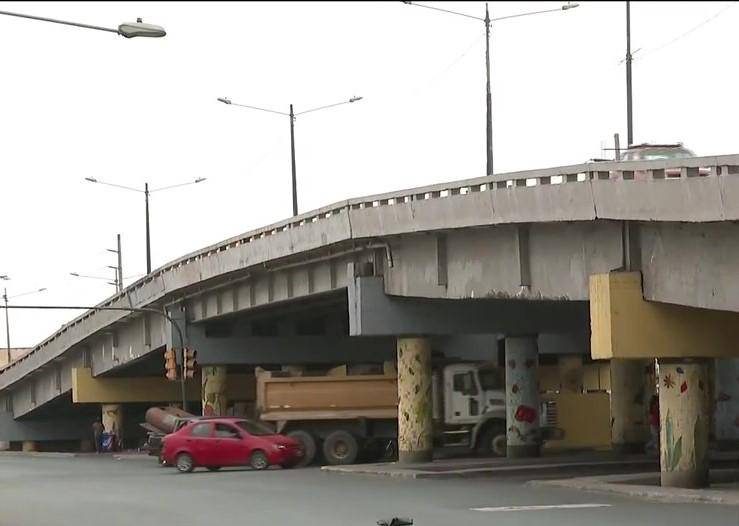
[
  {"x": 684, "y": 418},
  {"x": 214, "y": 391},
  {"x": 414, "y": 395},
  {"x": 522, "y": 402},
  {"x": 112, "y": 418}
]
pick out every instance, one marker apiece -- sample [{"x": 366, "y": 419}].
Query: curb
[
  {"x": 618, "y": 485},
  {"x": 468, "y": 472},
  {"x": 37, "y": 454}
]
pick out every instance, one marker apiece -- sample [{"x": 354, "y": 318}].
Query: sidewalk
[
  {"x": 120, "y": 455},
  {"x": 724, "y": 487},
  {"x": 547, "y": 465}
]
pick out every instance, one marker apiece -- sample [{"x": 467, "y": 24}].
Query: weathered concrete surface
[
  {"x": 551, "y": 260},
  {"x": 62, "y": 428}
]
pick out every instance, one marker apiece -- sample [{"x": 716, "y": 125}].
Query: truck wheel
[
  {"x": 493, "y": 441},
  {"x": 340, "y": 447},
  {"x": 309, "y": 446}
]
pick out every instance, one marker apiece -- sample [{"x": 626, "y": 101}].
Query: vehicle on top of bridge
[
  {"x": 216, "y": 442},
  {"x": 350, "y": 418},
  {"x": 657, "y": 152}
]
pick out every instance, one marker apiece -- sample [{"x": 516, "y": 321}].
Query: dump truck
[{"x": 351, "y": 418}]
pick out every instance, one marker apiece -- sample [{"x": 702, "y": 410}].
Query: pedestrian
[
  {"x": 97, "y": 433},
  {"x": 654, "y": 423}
]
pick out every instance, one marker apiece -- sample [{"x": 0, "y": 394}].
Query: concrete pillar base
[
  {"x": 414, "y": 457},
  {"x": 533, "y": 450},
  {"x": 628, "y": 448},
  {"x": 30, "y": 446},
  {"x": 684, "y": 479}
]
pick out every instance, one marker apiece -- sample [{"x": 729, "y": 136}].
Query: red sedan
[{"x": 217, "y": 442}]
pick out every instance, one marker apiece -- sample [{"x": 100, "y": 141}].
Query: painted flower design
[
  {"x": 683, "y": 386},
  {"x": 668, "y": 381},
  {"x": 529, "y": 363},
  {"x": 514, "y": 388}
]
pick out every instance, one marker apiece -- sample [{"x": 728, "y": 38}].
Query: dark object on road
[
  {"x": 215, "y": 442},
  {"x": 396, "y": 521}
]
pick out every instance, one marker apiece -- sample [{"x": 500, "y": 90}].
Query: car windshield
[{"x": 253, "y": 428}]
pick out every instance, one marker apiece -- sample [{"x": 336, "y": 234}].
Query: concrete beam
[
  {"x": 373, "y": 313},
  {"x": 624, "y": 325},
  {"x": 86, "y": 388}
]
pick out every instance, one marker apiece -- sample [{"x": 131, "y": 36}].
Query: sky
[{"x": 77, "y": 103}]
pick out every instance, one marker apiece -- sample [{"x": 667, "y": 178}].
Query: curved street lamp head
[
  {"x": 74, "y": 274},
  {"x": 139, "y": 29},
  {"x": 355, "y": 99},
  {"x": 41, "y": 289},
  {"x": 91, "y": 179},
  {"x": 200, "y": 179},
  {"x": 224, "y": 100},
  {"x": 570, "y": 5},
  {"x": 4, "y": 277}
]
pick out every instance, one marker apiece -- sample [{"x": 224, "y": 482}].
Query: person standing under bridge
[{"x": 97, "y": 434}]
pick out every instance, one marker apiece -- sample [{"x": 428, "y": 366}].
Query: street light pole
[
  {"x": 148, "y": 236},
  {"x": 127, "y": 29},
  {"x": 146, "y": 193},
  {"x": 291, "y": 115},
  {"x": 7, "y": 322},
  {"x": 292, "y": 157},
  {"x": 489, "y": 96},
  {"x": 629, "y": 116},
  {"x": 487, "y": 21}
]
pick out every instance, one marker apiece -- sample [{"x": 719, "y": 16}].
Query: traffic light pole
[
  {"x": 174, "y": 323},
  {"x": 182, "y": 378}
]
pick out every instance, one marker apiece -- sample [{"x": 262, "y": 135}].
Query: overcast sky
[{"x": 77, "y": 103}]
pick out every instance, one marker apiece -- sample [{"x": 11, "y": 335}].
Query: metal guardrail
[{"x": 713, "y": 166}]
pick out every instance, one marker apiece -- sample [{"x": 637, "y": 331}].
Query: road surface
[{"x": 101, "y": 490}]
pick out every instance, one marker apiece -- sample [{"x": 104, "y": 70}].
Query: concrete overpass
[{"x": 511, "y": 254}]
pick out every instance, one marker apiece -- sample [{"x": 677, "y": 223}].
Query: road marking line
[{"x": 544, "y": 507}]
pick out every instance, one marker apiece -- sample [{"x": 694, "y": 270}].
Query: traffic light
[
  {"x": 170, "y": 364},
  {"x": 190, "y": 362}
]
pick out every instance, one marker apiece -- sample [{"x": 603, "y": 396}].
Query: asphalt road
[{"x": 101, "y": 490}]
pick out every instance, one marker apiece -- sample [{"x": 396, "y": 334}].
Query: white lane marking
[{"x": 544, "y": 507}]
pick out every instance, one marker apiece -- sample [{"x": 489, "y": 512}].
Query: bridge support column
[
  {"x": 522, "y": 397},
  {"x": 214, "y": 390},
  {"x": 415, "y": 433},
  {"x": 4, "y": 445},
  {"x": 684, "y": 423},
  {"x": 727, "y": 403},
  {"x": 30, "y": 446},
  {"x": 113, "y": 419},
  {"x": 630, "y": 397}
]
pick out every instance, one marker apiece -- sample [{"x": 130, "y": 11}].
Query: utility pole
[
  {"x": 292, "y": 152},
  {"x": 7, "y": 323},
  {"x": 489, "y": 96},
  {"x": 119, "y": 268},
  {"x": 148, "y": 238},
  {"x": 629, "y": 118}
]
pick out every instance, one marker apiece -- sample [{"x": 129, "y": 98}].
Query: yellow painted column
[
  {"x": 415, "y": 432},
  {"x": 29, "y": 446},
  {"x": 629, "y": 405},
  {"x": 684, "y": 423},
  {"x": 523, "y": 438},
  {"x": 215, "y": 402}
]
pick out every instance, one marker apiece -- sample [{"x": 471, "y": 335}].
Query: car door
[
  {"x": 230, "y": 447},
  {"x": 200, "y": 443}
]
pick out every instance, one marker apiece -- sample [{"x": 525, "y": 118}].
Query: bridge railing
[{"x": 625, "y": 171}]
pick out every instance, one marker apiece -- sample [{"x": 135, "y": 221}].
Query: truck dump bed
[{"x": 326, "y": 397}]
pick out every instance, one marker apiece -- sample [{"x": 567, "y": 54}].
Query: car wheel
[
  {"x": 493, "y": 442},
  {"x": 184, "y": 463},
  {"x": 309, "y": 446},
  {"x": 214, "y": 468},
  {"x": 340, "y": 447},
  {"x": 259, "y": 460}
]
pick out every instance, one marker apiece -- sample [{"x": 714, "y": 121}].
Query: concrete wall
[{"x": 12, "y": 430}]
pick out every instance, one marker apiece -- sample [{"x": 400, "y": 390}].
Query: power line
[{"x": 689, "y": 31}]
